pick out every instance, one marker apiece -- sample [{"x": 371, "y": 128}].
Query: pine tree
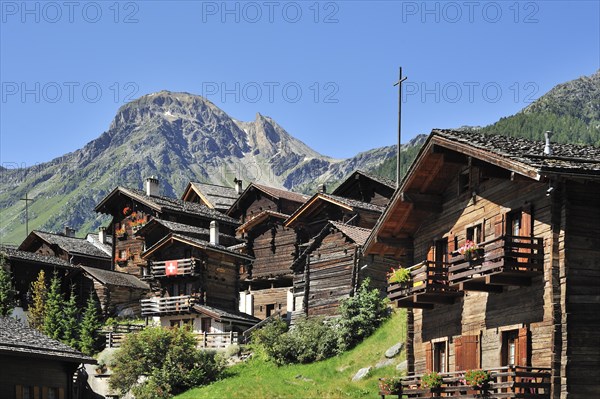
[
  {"x": 88, "y": 327},
  {"x": 54, "y": 306},
  {"x": 37, "y": 309},
  {"x": 7, "y": 294},
  {"x": 69, "y": 321}
]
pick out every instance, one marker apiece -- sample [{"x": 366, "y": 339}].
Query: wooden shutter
[
  {"x": 36, "y": 392},
  {"x": 523, "y": 347},
  {"x": 44, "y": 392},
  {"x": 459, "y": 354},
  {"x": 18, "y": 392},
  {"x": 428, "y": 356},
  {"x": 499, "y": 225},
  {"x": 61, "y": 393},
  {"x": 431, "y": 253},
  {"x": 466, "y": 352},
  {"x": 451, "y": 247},
  {"x": 526, "y": 222}
]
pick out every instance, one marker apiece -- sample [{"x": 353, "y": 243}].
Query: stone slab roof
[
  {"x": 280, "y": 193},
  {"x": 220, "y": 197},
  {"x": 565, "y": 158},
  {"x": 192, "y": 240},
  {"x": 18, "y": 339},
  {"x": 357, "y": 234},
  {"x": 224, "y": 315},
  {"x": 115, "y": 278},
  {"x": 72, "y": 245},
  {"x": 31, "y": 257}
]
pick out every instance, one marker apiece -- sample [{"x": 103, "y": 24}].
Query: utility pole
[
  {"x": 399, "y": 84},
  {"x": 26, "y": 214}
]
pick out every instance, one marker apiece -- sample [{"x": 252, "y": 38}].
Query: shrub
[
  {"x": 432, "y": 380},
  {"x": 361, "y": 315},
  {"x": 476, "y": 378},
  {"x": 313, "y": 340},
  {"x": 168, "y": 359}
]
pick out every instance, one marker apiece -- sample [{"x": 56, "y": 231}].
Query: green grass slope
[{"x": 331, "y": 378}]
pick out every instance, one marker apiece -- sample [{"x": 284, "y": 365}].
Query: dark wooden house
[
  {"x": 522, "y": 303},
  {"x": 213, "y": 196},
  {"x": 36, "y": 366},
  {"x": 366, "y": 187},
  {"x": 71, "y": 249},
  {"x": 131, "y": 209},
  {"x": 194, "y": 278}
]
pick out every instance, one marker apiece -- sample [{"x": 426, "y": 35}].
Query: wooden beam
[
  {"x": 477, "y": 286},
  {"x": 423, "y": 202},
  {"x": 411, "y": 305},
  {"x": 434, "y": 298},
  {"x": 508, "y": 280},
  {"x": 395, "y": 242}
]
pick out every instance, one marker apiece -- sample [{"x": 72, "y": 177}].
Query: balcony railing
[
  {"x": 506, "y": 260},
  {"x": 116, "y": 334},
  {"x": 216, "y": 340},
  {"x": 428, "y": 285},
  {"x": 505, "y": 382},
  {"x": 158, "y": 306},
  {"x": 168, "y": 268}
]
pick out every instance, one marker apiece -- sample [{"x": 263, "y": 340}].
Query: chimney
[
  {"x": 102, "y": 235},
  {"x": 214, "y": 232},
  {"x": 238, "y": 186},
  {"x": 151, "y": 186},
  {"x": 322, "y": 188},
  {"x": 69, "y": 232},
  {"x": 547, "y": 147}
]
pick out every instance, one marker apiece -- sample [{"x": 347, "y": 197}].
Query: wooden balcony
[
  {"x": 505, "y": 382},
  {"x": 158, "y": 306},
  {"x": 216, "y": 340},
  {"x": 428, "y": 285},
  {"x": 170, "y": 268},
  {"x": 507, "y": 260}
]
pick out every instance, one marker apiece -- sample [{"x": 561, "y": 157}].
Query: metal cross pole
[
  {"x": 26, "y": 214},
  {"x": 399, "y": 84}
]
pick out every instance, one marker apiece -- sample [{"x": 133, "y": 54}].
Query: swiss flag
[{"x": 171, "y": 268}]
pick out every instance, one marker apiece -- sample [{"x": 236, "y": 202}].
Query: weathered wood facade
[
  {"x": 131, "y": 209},
  {"x": 525, "y": 296},
  {"x": 266, "y": 285},
  {"x": 366, "y": 187},
  {"x": 213, "y": 196}
]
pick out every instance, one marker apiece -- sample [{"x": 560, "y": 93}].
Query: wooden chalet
[
  {"x": 118, "y": 293},
  {"x": 194, "y": 278},
  {"x": 266, "y": 286},
  {"x": 216, "y": 197},
  {"x": 65, "y": 246},
  {"x": 332, "y": 267},
  {"x": 25, "y": 267},
  {"x": 36, "y": 366},
  {"x": 523, "y": 302},
  {"x": 366, "y": 187},
  {"x": 131, "y": 209}
]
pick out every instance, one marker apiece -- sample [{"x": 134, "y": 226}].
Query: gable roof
[
  {"x": 18, "y": 339},
  {"x": 357, "y": 234},
  {"x": 346, "y": 203},
  {"x": 164, "y": 205},
  {"x": 355, "y": 176},
  {"x": 31, "y": 257},
  {"x": 274, "y": 193},
  {"x": 181, "y": 228},
  {"x": 95, "y": 240},
  {"x": 221, "y": 315},
  {"x": 257, "y": 219},
  {"x": 119, "y": 279},
  {"x": 510, "y": 154},
  {"x": 72, "y": 245},
  {"x": 215, "y": 196},
  {"x": 195, "y": 242}
]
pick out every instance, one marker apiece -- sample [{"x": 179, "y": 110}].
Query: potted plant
[
  {"x": 477, "y": 379},
  {"x": 398, "y": 276},
  {"x": 431, "y": 380},
  {"x": 470, "y": 250},
  {"x": 390, "y": 386}
]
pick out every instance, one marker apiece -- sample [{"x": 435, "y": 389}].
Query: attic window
[{"x": 463, "y": 181}]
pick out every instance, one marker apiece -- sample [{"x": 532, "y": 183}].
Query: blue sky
[{"x": 323, "y": 70}]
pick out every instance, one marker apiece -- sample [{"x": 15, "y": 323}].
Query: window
[
  {"x": 270, "y": 309},
  {"x": 475, "y": 233},
  {"x": 510, "y": 347},
  {"x": 439, "y": 357},
  {"x": 514, "y": 223},
  {"x": 463, "y": 181},
  {"x": 206, "y": 324},
  {"x": 441, "y": 250},
  {"x": 52, "y": 393},
  {"x": 27, "y": 392}
]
